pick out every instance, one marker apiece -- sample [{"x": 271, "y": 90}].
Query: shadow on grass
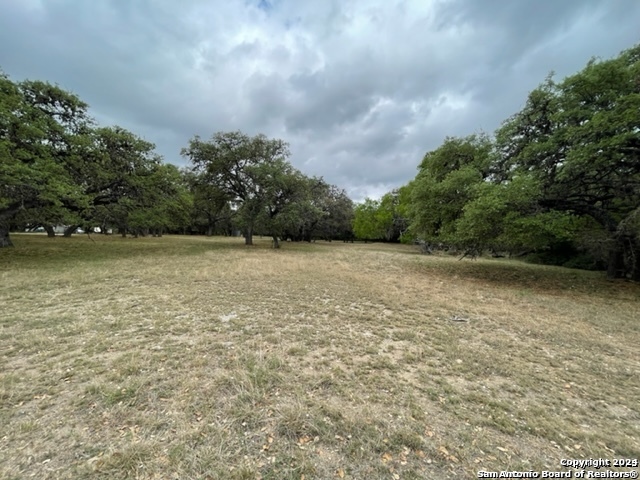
[
  {"x": 516, "y": 274},
  {"x": 39, "y": 251}
]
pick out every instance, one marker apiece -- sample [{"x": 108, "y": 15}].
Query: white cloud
[{"x": 360, "y": 89}]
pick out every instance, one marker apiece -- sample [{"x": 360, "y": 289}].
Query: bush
[
  {"x": 566, "y": 255},
  {"x": 584, "y": 261}
]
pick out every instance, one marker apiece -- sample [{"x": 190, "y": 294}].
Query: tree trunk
[
  {"x": 5, "y": 240},
  {"x": 209, "y": 230},
  {"x": 6, "y": 214},
  {"x": 635, "y": 272},
  {"x": 633, "y": 259},
  {"x": 276, "y": 242},
  {"x": 70, "y": 230},
  {"x": 50, "y": 231},
  {"x": 248, "y": 235},
  {"x": 615, "y": 265}
]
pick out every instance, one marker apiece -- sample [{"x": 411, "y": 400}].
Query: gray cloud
[{"x": 361, "y": 90}]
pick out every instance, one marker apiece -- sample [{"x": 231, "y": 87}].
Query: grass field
[{"x": 189, "y": 358}]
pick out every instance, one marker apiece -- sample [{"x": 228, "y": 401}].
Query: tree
[
  {"x": 40, "y": 125},
  {"x": 391, "y": 215},
  {"x": 384, "y": 219},
  {"x": 309, "y": 210},
  {"x": 324, "y": 212},
  {"x": 403, "y": 213},
  {"x": 579, "y": 140},
  {"x": 366, "y": 224},
  {"x": 236, "y": 164},
  {"x": 58, "y": 169},
  {"x": 505, "y": 217},
  {"x": 336, "y": 221},
  {"x": 447, "y": 181},
  {"x": 210, "y": 203},
  {"x": 115, "y": 177},
  {"x": 163, "y": 202},
  {"x": 284, "y": 192},
  {"x": 466, "y": 197}
]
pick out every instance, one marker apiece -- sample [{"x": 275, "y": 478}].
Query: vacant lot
[{"x": 202, "y": 358}]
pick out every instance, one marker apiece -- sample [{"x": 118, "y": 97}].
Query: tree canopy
[
  {"x": 254, "y": 176},
  {"x": 560, "y": 179},
  {"x": 563, "y": 173},
  {"x": 41, "y": 131},
  {"x": 57, "y": 167}
]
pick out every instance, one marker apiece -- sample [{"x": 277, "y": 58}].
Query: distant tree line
[
  {"x": 559, "y": 181},
  {"x": 248, "y": 180},
  {"x": 57, "y": 167}
]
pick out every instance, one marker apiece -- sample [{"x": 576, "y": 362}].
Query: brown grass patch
[{"x": 201, "y": 358}]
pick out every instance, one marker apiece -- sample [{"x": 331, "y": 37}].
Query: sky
[{"x": 361, "y": 90}]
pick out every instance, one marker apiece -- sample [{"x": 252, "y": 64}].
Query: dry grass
[{"x": 195, "y": 358}]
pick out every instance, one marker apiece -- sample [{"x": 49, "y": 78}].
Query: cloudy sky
[{"x": 360, "y": 89}]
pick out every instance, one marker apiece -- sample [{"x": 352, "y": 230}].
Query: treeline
[
  {"x": 57, "y": 167},
  {"x": 559, "y": 181}
]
